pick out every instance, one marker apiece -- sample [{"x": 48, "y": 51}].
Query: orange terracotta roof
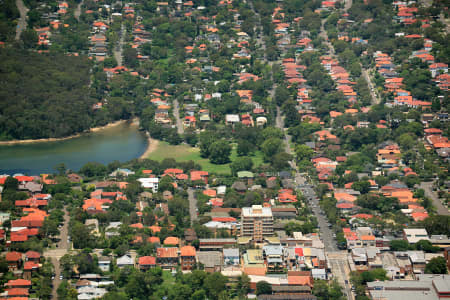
[
  {"x": 171, "y": 240},
  {"x": 187, "y": 251}
]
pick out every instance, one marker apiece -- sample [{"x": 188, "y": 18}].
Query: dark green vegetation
[
  {"x": 48, "y": 95},
  {"x": 43, "y": 95},
  {"x": 8, "y": 13}
]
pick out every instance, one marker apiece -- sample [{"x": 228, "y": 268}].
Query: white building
[
  {"x": 415, "y": 235},
  {"x": 149, "y": 183}
]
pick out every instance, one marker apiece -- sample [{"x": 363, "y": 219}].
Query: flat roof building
[{"x": 256, "y": 222}]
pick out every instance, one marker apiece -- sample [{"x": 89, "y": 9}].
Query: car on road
[{"x": 61, "y": 277}]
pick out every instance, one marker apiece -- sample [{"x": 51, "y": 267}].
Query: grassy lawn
[{"x": 186, "y": 152}]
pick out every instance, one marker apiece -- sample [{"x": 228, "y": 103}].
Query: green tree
[
  {"x": 81, "y": 236},
  {"x": 130, "y": 57},
  {"x": 29, "y": 38},
  {"x": 263, "y": 288},
  {"x": 303, "y": 152},
  {"x": 271, "y": 147},
  {"x": 214, "y": 284},
  {"x": 320, "y": 290},
  {"x": 92, "y": 169},
  {"x": 426, "y": 246},
  {"x": 244, "y": 148},
  {"x": 66, "y": 292},
  {"x": 220, "y": 152},
  {"x": 241, "y": 164},
  {"x": 362, "y": 186},
  {"x": 437, "y": 265},
  {"x": 399, "y": 245},
  {"x": 243, "y": 285}
]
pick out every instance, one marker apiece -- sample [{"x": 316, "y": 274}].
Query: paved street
[
  {"x": 176, "y": 114},
  {"x": 192, "y": 205},
  {"x": 428, "y": 188},
  {"x": 22, "y": 24},
  {"x": 119, "y": 48},
  {"x": 60, "y": 251},
  {"x": 77, "y": 12},
  {"x": 340, "y": 269},
  {"x": 375, "y": 98}
]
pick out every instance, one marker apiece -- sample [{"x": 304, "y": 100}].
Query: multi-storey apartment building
[{"x": 256, "y": 222}]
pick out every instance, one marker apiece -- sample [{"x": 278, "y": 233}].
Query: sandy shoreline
[
  {"x": 95, "y": 129},
  {"x": 152, "y": 145}
]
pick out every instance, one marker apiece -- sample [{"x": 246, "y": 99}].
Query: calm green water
[{"x": 122, "y": 143}]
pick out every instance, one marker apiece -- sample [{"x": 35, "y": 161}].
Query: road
[
  {"x": 428, "y": 188},
  {"x": 60, "y": 251},
  {"x": 348, "y": 5},
  {"x": 176, "y": 114},
  {"x": 375, "y": 98},
  {"x": 192, "y": 205},
  {"x": 338, "y": 263},
  {"x": 77, "y": 12},
  {"x": 338, "y": 259},
  {"x": 22, "y": 24},
  {"x": 118, "y": 50}
]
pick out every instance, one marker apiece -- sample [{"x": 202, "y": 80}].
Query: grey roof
[
  {"x": 286, "y": 297},
  {"x": 318, "y": 272},
  {"x": 273, "y": 250},
  {"x": 234, "y": 252},
  {"x": 239, "y": 186},
  {"x": 402, "y": 289},
  {"x": 285, "y": 174},
  {"x": 209, "y": 259},
  {"x": 125, "y": 260},
  {"x": 104, "y": 259}
]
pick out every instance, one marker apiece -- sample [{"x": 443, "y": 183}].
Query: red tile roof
[
  {"x": 171, "y": 240},
  {"x": 147, "y": 261},
  {"x": 18, "y": 282},
  {"x": 16, "y": 292},
  {"x": 167, "y": 252},
  {"x": 30, "y": 265},
  {"x": 13, "y": 256},
  {"x": 187, "y": 251},
  {"x": 154, "y": 239}
]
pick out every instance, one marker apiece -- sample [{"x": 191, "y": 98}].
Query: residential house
[
  {"x": 167, "y": 258},
  {"x": 125, "y": 261},
  {"x": 104, "y": 263},
  {"x": 146, "y": 262},
  {"x": 187, "y": 257}
]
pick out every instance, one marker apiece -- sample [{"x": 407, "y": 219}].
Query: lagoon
[{"x": 122, "y": 142}]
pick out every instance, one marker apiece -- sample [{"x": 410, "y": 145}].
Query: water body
[{"x": 122, "y": 142}]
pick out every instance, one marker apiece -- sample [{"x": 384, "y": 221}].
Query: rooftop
[{"x": 256, "y": 211}]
